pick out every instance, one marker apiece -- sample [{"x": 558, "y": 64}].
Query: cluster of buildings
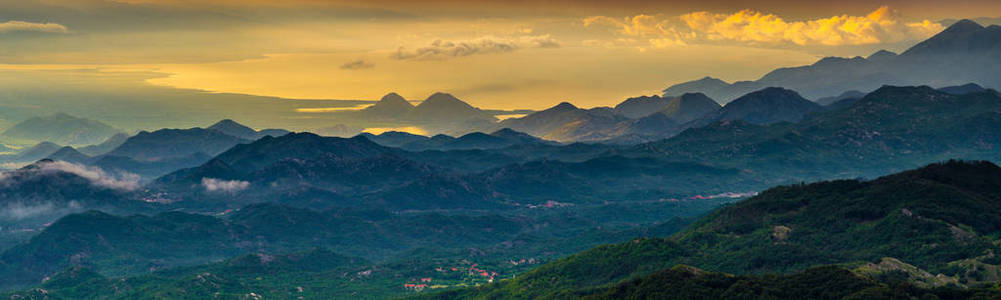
[
  {"x": 523, "y": 261},
  {"x": 423, "y": 284}
]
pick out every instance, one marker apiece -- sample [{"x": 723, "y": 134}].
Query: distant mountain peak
[
  {"x": 303, "y": 136},
  {"x": 773, "y": 95},
  {"x": 564, "y": 106},
  {"x": 66, "y": 149},
  {"x": 230, "y": 127},
  {"x": 395, "y": 99},
  {"x": 441, "y": 96},
  {"x": 391, "y": 96},
  {"x": 881, "y": 54},
  {"x": 175, "y": 143},
  {"x": 444, "y": 107},
  {"x": 775, "y": 90},
  {"x": 695, "y": 101},
  {"x": 688, "y": 107},
  {"x": 707, "y": 81},
  {"x": 963, "y": 52},
  {"x": 512, "y": 134},
  {"x": 69, "y": 154},
  {"x": 642, "y": 106},
  {"x": 963, "y": 37},
  {"x": 766, "y": 106},
  {"x": 229, "y": 124},
  {"x": 711, "y": 79},
  {"x": 713, "y": 88},
  {"x": 506, "y": 131},
  {"x": 443, "y": 100},
  {"x": 61, "y": 128},
  {"x": 831, "y": 60},
  {"x": 695, "y": 96},
  {"x": 391, "y": 105},
  {"x": 964, "y": 25}
]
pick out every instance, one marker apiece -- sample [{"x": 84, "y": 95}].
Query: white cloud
[
  {"x": 121, "y": 181},
  {"x": 20, "y": 211},
  {"x": 881, "y": 26},
  {"x": 98, "y": 177},
  {"x": 15, "y": 26},
  {"x": 442, "y": 49},
  {"x": 226, "y": 186}
]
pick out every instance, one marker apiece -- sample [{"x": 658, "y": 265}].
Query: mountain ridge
[
  {"x": 61, "y": 128},
  {"x": 795, "y": 228},
  {"x": 962, "y": 53}
]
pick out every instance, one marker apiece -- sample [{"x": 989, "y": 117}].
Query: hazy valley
[{"x": 850, "y": 178}]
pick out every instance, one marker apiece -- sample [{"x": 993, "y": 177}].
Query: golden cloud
[
  {"x": 441, "y": 49},
  {"x": 13, "y": 26},
  {"x": 881, "y": 26}
]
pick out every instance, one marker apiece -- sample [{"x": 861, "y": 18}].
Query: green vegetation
[
  {"x": 507, "y": 210},
  {"x": 889, "y": 130},
  {"x": 816, "y": 283},
  {"x": 117, "y": 246},
  {"x": 935, "y": 226}
]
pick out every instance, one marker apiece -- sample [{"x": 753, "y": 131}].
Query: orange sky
[{"x": 494, "y": 54}]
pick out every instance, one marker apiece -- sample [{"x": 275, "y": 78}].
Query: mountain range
[
  {"x": 170, "y": 143},
  {"x": 304, "y": 169},
  {"x": 391, "y": 105},
  {"x": 116, "y": 245},
  {"x": 233, "y": 128},
  {"x": 68, "y": 153},
  {"x": 440, "y": 112},
  {"x": 62, "y": 129},
  {"x": 566, "y": 123},
  {"x": 493, "y": 198},
  {"x": 930, "y": 230},
  {"x": 964, "y": 52},
  {"x": 650, "y": 118},
  {"x": 767, "y": 106},
  {"x": 890, "y": 193},
  {"x": 47, "y": 190},
  {"x": 892, "y": 128},
  {"x": 499, "y": 139},
  {"x": 149, "y": 154},
  {"x": 933, "y": 227},
  {"x": 31, "y": 154},
  {"x": 104, "y": 147}
]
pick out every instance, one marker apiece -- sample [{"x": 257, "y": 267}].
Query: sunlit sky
[{"x": 493, "y": 54}]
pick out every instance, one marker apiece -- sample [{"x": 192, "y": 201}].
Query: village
[{"x": 465, "y": 273}]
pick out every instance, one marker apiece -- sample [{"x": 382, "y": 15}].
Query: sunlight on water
[
  {"x": 407, "y": 129},
  {"x": 509, "y": 116},
  {"x": 314, "y": 110}
]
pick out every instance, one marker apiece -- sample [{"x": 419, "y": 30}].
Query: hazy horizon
[
  {"x": 500, "y": 149},
  {"x": 494, "y": 55}
]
